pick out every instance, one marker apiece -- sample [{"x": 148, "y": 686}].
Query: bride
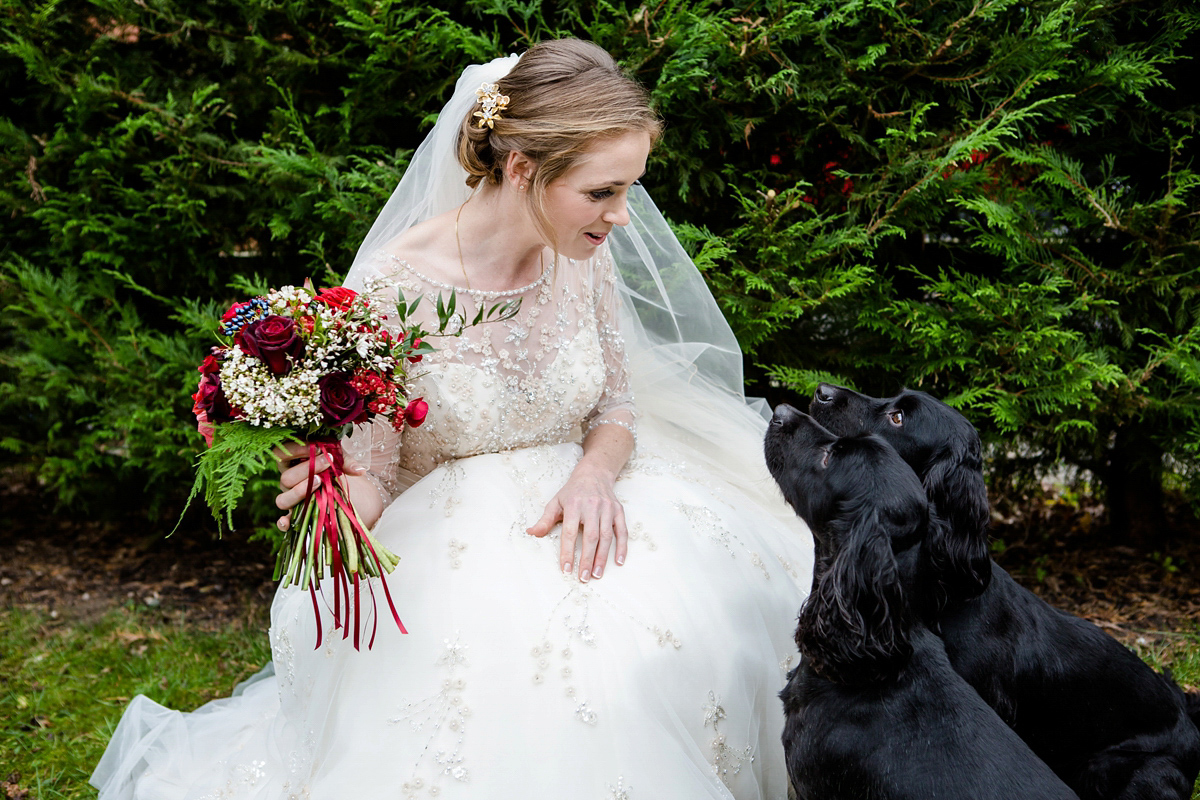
[{"x": 598, "y": 578}]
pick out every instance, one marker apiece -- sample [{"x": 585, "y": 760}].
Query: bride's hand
[
  {"x": 292, "y": 461},
  {"x": 587, "y": 502}
]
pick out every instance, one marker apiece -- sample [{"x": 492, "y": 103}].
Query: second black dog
[
  {"x": 1105, "y": 722},
  {"x": 875, "y": 711}
]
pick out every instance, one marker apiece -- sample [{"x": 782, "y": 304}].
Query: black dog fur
[
  {"x": 875, "y": 711},
  {"x": 1107, "y": 724}
]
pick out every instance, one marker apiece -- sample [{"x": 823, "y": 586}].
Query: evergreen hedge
[{"x": 992, "y": 200}]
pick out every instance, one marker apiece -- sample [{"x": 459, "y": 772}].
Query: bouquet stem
[{"x": 329, "y": 535}]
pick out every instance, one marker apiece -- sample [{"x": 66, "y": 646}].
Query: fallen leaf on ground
[
  {"x": 12, "y": 788},
  {"x": 129, "y": 638}
]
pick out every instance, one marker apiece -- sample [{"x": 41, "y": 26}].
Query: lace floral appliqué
[
  {"x": 442, "y": 717},
  {"x": 573, "y": 616},
  {"x": 728, "y": 761}
]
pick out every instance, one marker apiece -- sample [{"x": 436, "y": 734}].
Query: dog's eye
[
  {"x": 825, "y": 457},
  {"x": 896, "y": 416}
]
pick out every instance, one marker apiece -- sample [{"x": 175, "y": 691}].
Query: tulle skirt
[{"x": 659, "y": 680}]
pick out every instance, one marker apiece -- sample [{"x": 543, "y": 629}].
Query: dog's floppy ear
[
  {"x": 854, "y": 625},
  {"x": 957, "y": 551}
]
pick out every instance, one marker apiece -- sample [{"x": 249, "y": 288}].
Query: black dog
[
  {"x": 1107, "y": 724},
  {"x": 875, "y": 711}
]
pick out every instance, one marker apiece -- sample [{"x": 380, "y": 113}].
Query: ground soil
[
  {"x": 1061, "y": 548},
  {"x": 79, "y": 569}
]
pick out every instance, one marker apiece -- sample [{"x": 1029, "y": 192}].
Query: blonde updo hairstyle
[{"x": 563, "y": 95}]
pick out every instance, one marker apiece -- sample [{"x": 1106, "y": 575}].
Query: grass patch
[
  {"x": 1180, "y": 653},
  {"x": 64, "y": 684}
]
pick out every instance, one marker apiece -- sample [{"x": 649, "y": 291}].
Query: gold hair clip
[{"x": 493, "y": 103}]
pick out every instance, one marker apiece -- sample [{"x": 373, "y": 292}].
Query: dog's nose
[
  {"x": 823, "y": 394},
  {"x": 784, "y": 414}
]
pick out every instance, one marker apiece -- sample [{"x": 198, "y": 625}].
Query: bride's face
[{"x": 585, "y": 202}]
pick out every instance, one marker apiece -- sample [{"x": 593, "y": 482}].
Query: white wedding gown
[{"x": 657, "y": 681}]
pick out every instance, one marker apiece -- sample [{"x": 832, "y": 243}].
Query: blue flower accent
[{"x": 256, "y": 310}]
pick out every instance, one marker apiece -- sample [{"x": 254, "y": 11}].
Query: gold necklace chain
[
  {"x": 458, "y": 241},
  {"x": 462, "y": 265}
]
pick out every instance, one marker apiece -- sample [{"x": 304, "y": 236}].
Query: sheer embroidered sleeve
[
  {"x": 375, "y": 446},
  {"x": 616, "y": 406}
]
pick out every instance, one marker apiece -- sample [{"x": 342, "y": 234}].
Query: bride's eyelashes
[{"x": 604, "y": 194}]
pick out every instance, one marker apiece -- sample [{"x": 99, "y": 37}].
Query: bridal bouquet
[{"x": 301, "y": 365}]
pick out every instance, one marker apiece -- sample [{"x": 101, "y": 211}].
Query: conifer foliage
[{"x": 992, "y": 200}]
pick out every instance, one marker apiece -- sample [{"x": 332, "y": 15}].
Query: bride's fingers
[
  {"x": 570, "y": 532},
  {"x": 604, "y": 543},
  {"x": 284, "y": 522},
  {"x": 298, "y": 474},
  {"x": 289, "y": 452},
  {"x": 293, "y": 482},
  {"x": 588, "y": 550},
  {"x": 621, "y": 534},
  {"x": 550, "y": 518}
]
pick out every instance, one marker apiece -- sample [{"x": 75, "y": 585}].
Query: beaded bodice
[{"x": 544, "y": 376}]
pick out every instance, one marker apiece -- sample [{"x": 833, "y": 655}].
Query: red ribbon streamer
[{"x": 329, "y": 498}]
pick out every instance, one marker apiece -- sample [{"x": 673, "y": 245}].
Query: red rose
[
  {"x": 274, "y": 341},
  {"x": 210, "y": 365},
  {"x": 415, "y": 411},
  {"x": 338, "y": 297},
  {"x": 210, "y": 399},
  {"x": 203, "y": 426},
  {"x": 341, "y": 403},
  {"x": 415, "y": 359}
]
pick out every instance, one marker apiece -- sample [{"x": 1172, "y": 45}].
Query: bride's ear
[{"x": 519, "y": 169}]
